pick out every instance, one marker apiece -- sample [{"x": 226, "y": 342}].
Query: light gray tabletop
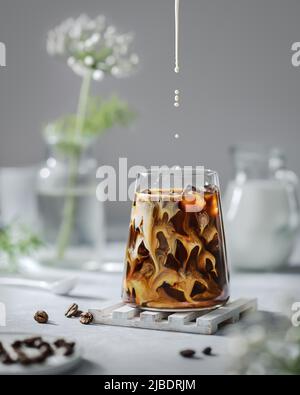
[{"x": 115, "y": 350}]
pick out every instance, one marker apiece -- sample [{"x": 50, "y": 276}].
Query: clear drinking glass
[{"x": 176, "y": 254}]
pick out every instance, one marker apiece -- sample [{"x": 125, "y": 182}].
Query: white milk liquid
[
  {"x": 260, "y": 224},
  {"x": 177, "y": 4}
]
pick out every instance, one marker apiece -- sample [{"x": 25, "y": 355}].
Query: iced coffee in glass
[{"x": 176, "y": 253}]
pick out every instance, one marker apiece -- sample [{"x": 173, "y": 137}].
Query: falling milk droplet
[
  {"x": 176, "y": 104},
  {"x": 177, "y": 5},
  {"x": 176, "y": 136}
]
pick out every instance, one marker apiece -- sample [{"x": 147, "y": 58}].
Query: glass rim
[
  {"x": 194, "y": 170},
  {"x": 241, "y": 148}
]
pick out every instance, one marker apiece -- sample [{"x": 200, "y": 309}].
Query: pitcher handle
[{"x": 292, "y": 181}]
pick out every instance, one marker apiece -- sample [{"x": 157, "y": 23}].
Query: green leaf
[
  {"x": 101, "y": 116},
  {"x": 17, "y": 240}
]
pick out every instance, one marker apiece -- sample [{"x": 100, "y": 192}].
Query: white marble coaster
[{"x": 202, "y": 322}]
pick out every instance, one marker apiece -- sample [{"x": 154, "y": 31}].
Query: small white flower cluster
[
  {"x": 264, "y": 350},
  {"x": 92, "y": 46}
]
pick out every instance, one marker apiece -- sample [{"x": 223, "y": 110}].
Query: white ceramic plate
[{"x": 52, "y": 366}]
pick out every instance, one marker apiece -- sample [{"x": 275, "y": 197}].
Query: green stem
[
  {"x": 83, "y": 104},
  {"x": 67, "y": 224}
]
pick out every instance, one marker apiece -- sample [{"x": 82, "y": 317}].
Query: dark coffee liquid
[{"x": 176, "y": 256}]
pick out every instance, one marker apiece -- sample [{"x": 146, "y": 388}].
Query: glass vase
[{"x": 71, "y": 218}]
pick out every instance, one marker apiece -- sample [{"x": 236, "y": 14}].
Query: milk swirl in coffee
[{"x": 176, "y": 255}]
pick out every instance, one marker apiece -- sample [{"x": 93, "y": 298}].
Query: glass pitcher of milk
[{"x": 261, "y": 209}]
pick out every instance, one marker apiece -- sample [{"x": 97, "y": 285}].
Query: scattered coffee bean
[
  {"x": 207, "y": 351},
  {"x": 41, "y": 317},
  {"x": 45, "y": 350},
  {"x": 17, "y": 344},
  {"x": 22, "y": 357},
  {"x": 187, "y": 353},
  {"x": 34, "y": 342},
  {"x": 39, "y": 359},
  {"x": 72, "y": 311},
  {"x": 5, "y": 358},
  {"x": 86, "y": 318},
  {"x": 59, "y": 343},
  {"x": 69, "y": 347}
]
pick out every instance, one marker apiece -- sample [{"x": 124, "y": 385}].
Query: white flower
[{"x": 90, "y": 45}]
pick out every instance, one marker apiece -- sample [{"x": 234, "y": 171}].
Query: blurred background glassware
[
  {"x": 18, "y": 216},
  {"x": 71, "y": 217},
  {"x": 17, "y": 195},
  {"x": 176, "y": 254},
  {"x": 261, "y": 209}
]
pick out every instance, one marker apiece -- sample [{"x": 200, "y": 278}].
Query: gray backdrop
[{"x": 237, "y": 82}]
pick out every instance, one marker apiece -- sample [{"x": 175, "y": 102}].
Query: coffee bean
[
  {"x": 86, "y": 318},
  {"x": 69, "y": 347},
  {"x": 72, "y": 311},
  {"x": 5, "y": 358},
  {"x": 187, "y": 353},
  {"x": 32, "y": 342},
  {"x": 41, "y": 317},
  {"x": 207, "y": 351}
]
